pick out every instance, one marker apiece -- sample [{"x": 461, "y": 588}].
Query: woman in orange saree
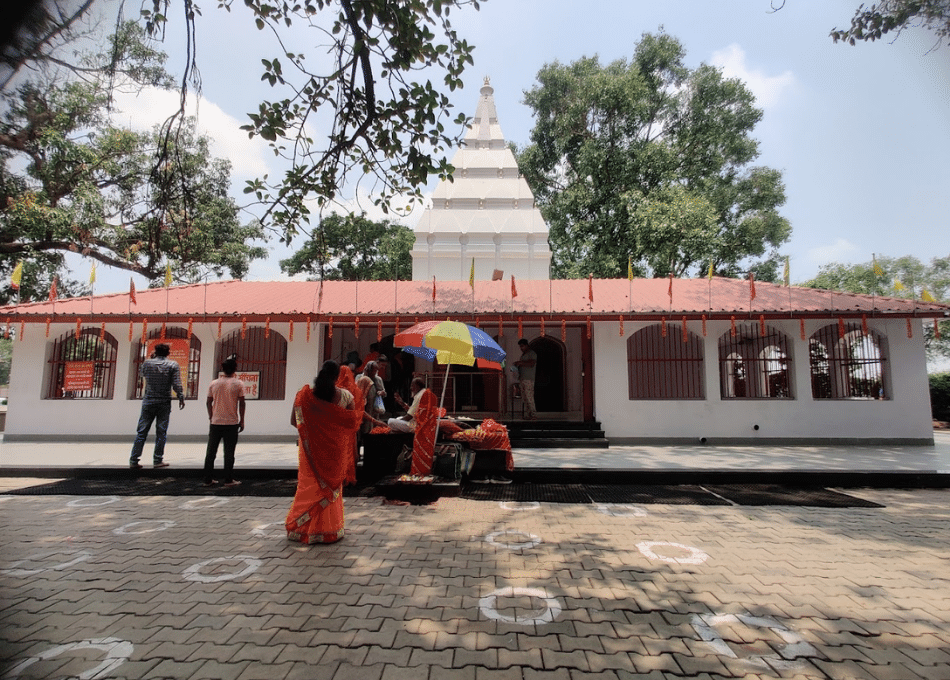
[
  {"x": 326, "y": 423},
  {"x": 423, "y": 443},
  {"x": 347, "y": 382}
]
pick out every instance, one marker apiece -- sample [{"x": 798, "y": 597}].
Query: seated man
[{"x": 407, "y": 422}]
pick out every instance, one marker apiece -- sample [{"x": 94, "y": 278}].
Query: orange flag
[
  {"x": 590, "y": 287},
  {"x": 671, "y": 288},
  {"x": 433, "y": 289},
  {"x": 514, "y": 290},
  {"x": 132, "y": 291},
  {"x": 52, "y": 291},
  {"x": 751, "y": 286}
]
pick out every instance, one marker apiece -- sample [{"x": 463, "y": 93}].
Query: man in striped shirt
[{"x": 161, "y": 376}]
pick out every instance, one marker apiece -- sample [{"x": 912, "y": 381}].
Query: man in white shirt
[{"x": 407, "y": 423}]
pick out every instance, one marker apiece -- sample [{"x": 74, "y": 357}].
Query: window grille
[
  {"x": 754, "y": 366},
  {"x": 190, "y": 381},
  {"x": 848, "y": 367},
  {"x": 93, "y": 346},
  {"x": 665, "y": 367},
  {"x": 257, "y": 353}
]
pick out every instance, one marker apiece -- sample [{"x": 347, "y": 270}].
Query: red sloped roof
[{"x": 718, "y": 297}]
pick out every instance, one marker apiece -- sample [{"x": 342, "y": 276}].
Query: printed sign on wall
[{"x": 79, "y": 376}]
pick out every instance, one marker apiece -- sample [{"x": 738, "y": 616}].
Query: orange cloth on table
[
  {"x": 325, "y": 430},
  {"x": 423, "y": 443},
  {"x": 347, "y": 382}
]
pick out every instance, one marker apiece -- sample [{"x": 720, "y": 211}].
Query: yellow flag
[
  {"x": 926, "y": 296},
  {"x": 17, "y": 275},
  {"x": 92, "y": 273},
  {"x": 877, "y": 268},
  {"x": 471, "y": 275},
  {"x": 710, "y": 275},
  {"x": 785, "y": 274},
  {"x": 168, "y": 274},
  {"x": 629, "y": 268},
  {"x": 898, "y": 286}
]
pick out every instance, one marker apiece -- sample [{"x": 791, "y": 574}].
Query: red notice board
[{"x": 78, "y": 376}]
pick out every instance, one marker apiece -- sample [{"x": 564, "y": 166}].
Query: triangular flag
[
  {"x": 132, "y": 291},
  {"x": 168, "y": 274},
  {"x": 52, "y": 291},
  {"x": 751, "y": 286},
  {"x": 629, "y": 268},
  {"x": 670, "y": 292},
  {"x": 926, "y": 296},
  {"x": 898, "y": 286},
  {"x": 433, "y": 289},
  {"x": 785, "y": 273},
  {"x": 17, "y": 275},
  {"x": 710, "y": 275},
  {"x": 92, "y": 273},
  {"x": 471, "y": 275},
  {"x": 514, "y": 290},
  {"x": 590, "y": 287},
  {"x": 877, "y": 268}
]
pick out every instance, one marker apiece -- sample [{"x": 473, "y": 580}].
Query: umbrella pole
[{"x": 438, "y": 416}]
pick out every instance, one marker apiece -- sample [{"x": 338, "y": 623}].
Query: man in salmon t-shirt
[{"x": 226, "y": 412}]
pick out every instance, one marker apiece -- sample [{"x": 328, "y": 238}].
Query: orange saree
[
  {"x": 324, "y": 454},
  {"x": 347, "y": 382},
  {"x": 423, "y": 443}
]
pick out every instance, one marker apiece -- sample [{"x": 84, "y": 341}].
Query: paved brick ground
[{"x": 208, "y": 587}]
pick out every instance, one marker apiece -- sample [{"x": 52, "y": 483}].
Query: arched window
[
  {"x": 261, "y": 355},
  {"x": 82, "y": 367},
  {"x": 665, "y": 367},
  {"x": 178, "y": 336},
  {"x": 848, "y": 366},
  {"x": 753, "y": 365}
]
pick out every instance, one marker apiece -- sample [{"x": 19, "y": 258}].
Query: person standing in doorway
[
  {"x": 162, "y": 375},
  {"x": 527, "y": 367},
  {"x": 226, "y": 407}
]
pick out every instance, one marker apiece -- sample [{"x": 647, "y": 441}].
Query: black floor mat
[
  {"x": 680, "y": 494},
  {"x": 165, "y": 486},
  {"x": 541, "y": 493},
  {"x": 774, "y": 494}
]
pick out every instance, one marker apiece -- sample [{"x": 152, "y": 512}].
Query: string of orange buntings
[
  {"x": 49, "y": 321},
  {"x": 542, "y": 326},
  {"x": 732, "y": 326},
  {"x": 243, "y": 327},
  {"x": 163, "y": 330},
  {"x": 864, "y": 324},
  {"x": 23, "y": 330},
  {"x": 520, "y": 328},
  {"x": 621, "y": 325},
  {"x": 379, "y": 330},
  {"x": 220, "y": 321},
  {"x": 704, "y": 325},
  {"x": 329, "y": 327},
  {"x": 663, "y": 326},
  {"x": 102, "y": 331},
  {"x": 762, "y": 325},
  {"x": 563, "y": 330},
  {"x": 131, "y": 330},
  {"x": 801, "y": 324},
  {"x": 290, "y": 330},
  {"x": 191, "y": 326},
  {"x": 588, "y": 327},
  {"x": 397, "y": 325},
  {"x": 267, "y": 327},
  {"x": 144, "y": 329},
  {"x": 685, "y": 331},
  {"x": 356, "y": 325},
  {"x": 910, "y": 329},
  {"x": 78, "y": 329},
  {"x": 478, "y": 322},
  {"x": 308, "y": 327},
  {"x": 841, "y": 328}
]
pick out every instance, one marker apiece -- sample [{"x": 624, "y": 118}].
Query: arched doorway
[{"x": 549, "y": 378}]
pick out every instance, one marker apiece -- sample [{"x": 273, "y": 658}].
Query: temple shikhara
[{"x": 642, "y": 360}]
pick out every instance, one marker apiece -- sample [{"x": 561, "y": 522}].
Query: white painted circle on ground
[
  {"x": 264, "y": 531},
  {"x": 696, "y": 556},
  {"x": 157, "y": 525},
  {"x": 251, "y": 564},
  {"x": 512, "y": 539},
  {"x": 546, "y": 614},
  {"x": 80, "y": 556},
  {"x": 621, "y": 510},
  {"x": 520, "y": 506},
  {"x": 92, "y": 502},
  {"x": 117, "y": 652},
  {"x": 203, "y": 503},
  {"x": 787, "y": 656}
]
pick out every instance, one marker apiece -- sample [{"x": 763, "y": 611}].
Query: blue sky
[{"x": 861, "y": 134}]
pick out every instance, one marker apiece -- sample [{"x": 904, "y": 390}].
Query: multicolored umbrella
[{"x": 450, "y": 342}]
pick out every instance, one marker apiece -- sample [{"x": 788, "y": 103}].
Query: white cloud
[
  {"x": 767, "y": 89},
  {"x": 152, "y": 107},
  {"x": 839, "y": 251}
]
